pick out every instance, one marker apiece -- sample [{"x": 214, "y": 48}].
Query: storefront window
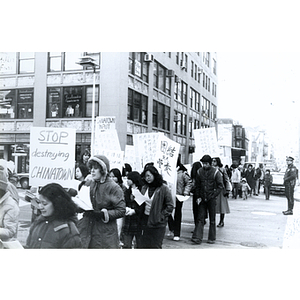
[
  {"x": 7, "y": 104},
  {"x": 25, "y": 104},
  {"x": 54, "y": 96},
  {"x": 89, "y": 102},
  {"x": 72, "y": 102}
]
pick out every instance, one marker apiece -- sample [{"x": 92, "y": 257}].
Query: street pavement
[{"x": 254, "y": 223}]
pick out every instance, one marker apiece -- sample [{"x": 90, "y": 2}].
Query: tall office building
[{"x": 169, "y": 92}]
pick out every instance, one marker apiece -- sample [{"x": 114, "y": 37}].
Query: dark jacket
[
  {"x": 131, "y": 223},
  {"x": 268, "y": 180},
  {"x": 47, "y": 233},
  {"x": 209, "y": 183},
  {"x": 249, "y": 175},
  {"x": 161, "y": 208},
  {"x": 103, "y": 233},
  {"x": 290, "y": 175}
]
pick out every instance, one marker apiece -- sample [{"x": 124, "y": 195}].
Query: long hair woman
[{"x": 56, "y": 226}]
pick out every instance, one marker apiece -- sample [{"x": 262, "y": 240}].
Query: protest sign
[
  {"x": 52, "y": 156},
  {"x": 205, "y": 143},
  {"x": 166, "y": 158},
  {"x": 146, "y": 146},
  {"x": 104, "y": 123},
  {"x": 131, "y": 158},
  {"x": 115, "y": 157},
  {"x": 107, "y": 140}
]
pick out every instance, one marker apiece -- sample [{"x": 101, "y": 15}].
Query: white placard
[
  {"x": 205, "y": 143},
  {"x": 52, "y": 156},
  {"x": 105, "y": 123}
]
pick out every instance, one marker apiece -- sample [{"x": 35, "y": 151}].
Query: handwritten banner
[
  {"x": 105, "y": 123},
  {"x": 115, "y": 157},
  {"x": 52, "y": 156},
  {"x": 107, "y": 140},
  {"x": 166, "y": 158},
  {"x": 146, "y": 146},
  {"x": 206, "y": 143}
]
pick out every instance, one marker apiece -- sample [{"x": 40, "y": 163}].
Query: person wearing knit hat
[
  {"x": 9, "y": 210},
  {"x": 98, "y": 227}
]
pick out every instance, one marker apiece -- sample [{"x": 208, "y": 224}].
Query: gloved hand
[
  {"x": 129, "y": 211},
  {"x": 94, "y": 214},
  {"x": 226, "y": 194}
]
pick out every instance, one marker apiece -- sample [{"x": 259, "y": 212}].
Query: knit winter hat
[
  {"x": 3, "y": 179},
  {"x": 206, "y": 158},
  {"x": 102, "y": 161}
]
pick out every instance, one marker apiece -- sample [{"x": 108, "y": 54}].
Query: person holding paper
[
  {"x": 56, "y": 227},
  {"x": 183, "y": 187},
  {"x": 131, "y": 226},
  {"x": 98, "y": 228},
  {"x": 9, "y": 210},
  {"x": 156, "y": 209}
]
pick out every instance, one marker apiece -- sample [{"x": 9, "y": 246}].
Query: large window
[
  {"x": 180, "y": 123},
  {"x": 160, "y": 78},
  {"x": 137, "y": 66},
  {"x": 67, "y": 61},
  {"x": 180, "y": 92},
  {"x": 161, "y": 115},
  {"x": 16, "y": 62},
  {"x": 72, "y": 102},
  {"x": 194, "y": 100},
  {"x": 16, "y": 104},
  {"x": 137, "y": 107}
]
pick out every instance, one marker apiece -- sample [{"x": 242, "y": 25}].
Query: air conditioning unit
[
  {"x": 183, "y": 65},
  {"x": 177, "y": 79},
  {"x": 170, "y": 73},
  {"x": 148, "y": 57},
  {"x": 190, "y": 119},
  {"x": 176, "y": 118},
  {"x": 200, "y": 71}
]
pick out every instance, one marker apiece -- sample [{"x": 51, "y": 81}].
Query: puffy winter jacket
[
  {"x": 9, "y": 217},
  {"x": 47, "y": 233},
  {"x": 184, "y": 183},
  {"x": 209, "y": 183},
  {"x": 102, "y": 233}
]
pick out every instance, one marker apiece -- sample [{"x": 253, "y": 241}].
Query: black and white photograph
[{"x": 178, "y": 169}]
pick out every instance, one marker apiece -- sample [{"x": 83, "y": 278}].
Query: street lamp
[{"x": 88, "y": 61}]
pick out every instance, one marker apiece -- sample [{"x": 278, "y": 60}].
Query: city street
[{"x": 254, "y": 223}]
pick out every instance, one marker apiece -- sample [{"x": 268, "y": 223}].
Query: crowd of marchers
[{"x": 116, "y": 219}]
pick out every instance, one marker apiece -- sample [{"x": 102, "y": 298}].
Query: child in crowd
[
  {"x": 268, "y": 180},
  {"x": 245, "y": 188}
]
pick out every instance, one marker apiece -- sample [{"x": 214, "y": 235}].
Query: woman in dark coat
[
  {"x": 98, "y": 228},
  {"x": 156, "y": 209},
  {"x": 131, "y": 226},
  {"x": 249, "y": 175},
  {"x": 56, "y": 226}
]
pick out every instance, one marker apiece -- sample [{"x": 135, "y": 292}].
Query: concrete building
[{"x": 170, "y": 92}]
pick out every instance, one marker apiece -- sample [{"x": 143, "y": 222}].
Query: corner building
[{"x": 170, "y": 92}]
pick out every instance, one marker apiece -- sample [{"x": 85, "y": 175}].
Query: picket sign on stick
[{"x": 52, "y": 156}]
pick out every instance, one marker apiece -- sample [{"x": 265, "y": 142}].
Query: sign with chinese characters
[
  {"x": 52, "y": 156},
  {"x": 107, "y": 140},
  {"x": 225, "y": 135},
  {"x": 146, "y": 145},
  {"x": 166, "y": 158},
  {"x": 105, "y": 123},
  {"x": 131, "y": 158},
  {"x": 205, "y": 143}
]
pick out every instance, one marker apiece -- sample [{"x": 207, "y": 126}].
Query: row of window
[
  {"x": 23, "y": 62},
  {"x": 74, "y": 102},
  {"x": 138, "y": 109}
]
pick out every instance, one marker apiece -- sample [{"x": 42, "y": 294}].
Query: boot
[{"x": 221, "y": 223}]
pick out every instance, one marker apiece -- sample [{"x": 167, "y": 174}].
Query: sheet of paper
[
  {"x": 182, "y": 198},
  {"x": 11, "y": 245},
  {"x": 83, "y": 198},
  {"x": 138, "y": 197}
]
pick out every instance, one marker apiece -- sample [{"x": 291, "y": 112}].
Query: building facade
[{"x": 169, "y": 92}]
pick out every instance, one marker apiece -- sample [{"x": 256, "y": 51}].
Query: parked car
[
  {"x": 23, "y": 179},
  {"x": 277, "y": 187}
]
